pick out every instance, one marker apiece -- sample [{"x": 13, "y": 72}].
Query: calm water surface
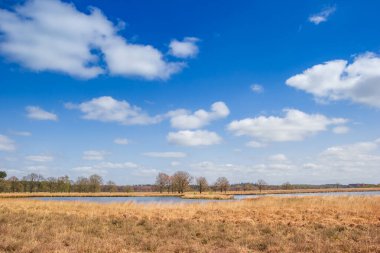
[{"x": 180, "y": 200}]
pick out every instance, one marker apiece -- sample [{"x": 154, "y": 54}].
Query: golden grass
[{"x": 267, "y": 224}]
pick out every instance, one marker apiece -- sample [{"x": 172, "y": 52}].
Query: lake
[{"x": 180, "y": 200}]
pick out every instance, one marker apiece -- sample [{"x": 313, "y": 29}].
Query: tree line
[
  {"x": 37, "y": 183},
  {"x": 181, "y": 181}
]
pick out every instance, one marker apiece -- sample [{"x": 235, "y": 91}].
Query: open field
[
  {"x": 153, "y": 194},
  {"x": 270, "y": 224}
]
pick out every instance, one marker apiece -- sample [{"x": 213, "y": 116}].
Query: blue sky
[{"x": 273, "y": 90}]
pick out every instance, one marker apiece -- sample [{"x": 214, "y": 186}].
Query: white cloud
[
  {"x": 341, "y": 130},
  {"x": 183, "y": 119},
  {"x": 50, "y": 35},
  {"x": 108, "y": 109},
  {"x": 6, "y": 144},
  {"x": 194, "y": 138},
  {"x": 37, "y": 113},
  {"x": 21, "y": 133},
  {"x": 257, "y": 88},
  {"x": 255, "y": 144},
  {"x": 185, "y": 48},
  {"x": 358, "y": 157},
  {"x": 358, "y": 81},
  {"x": 40, "y": 158},
  {"x": 278, "y": 157},
  {"x": 294, "y": 126},
  {"x": 166, "y": 154},
  {"x": 121, "y": 141},
  {"x": 94, "y": 155},
  {"x": 102, "y": 168},
  {"x": 174, "y": 163},
  {"x": 322, "y": 16},
  {"x": 111, "y": 165}
]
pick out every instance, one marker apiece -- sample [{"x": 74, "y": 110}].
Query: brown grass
[{"x": 268, "y": 224}]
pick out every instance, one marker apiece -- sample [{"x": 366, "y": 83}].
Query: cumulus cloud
[
  {"x": 121, "y": 141},
  {"x": 94, "y": 155},
  {"x": 6, "y": 144},
  {"x": 37, "y": 113},
  {"x": 322, "y": 16},
  {"x": 257, "y": 88},
  {"x": 194, "y": 138},
  {"x": 50, "y": 35},
  {"x": 40, "y": 158},
  {"x": 108, "y": 109},
  {"x": 166, "y": 154},
  {"x": 294, "y": 126},
  {"x": 185, "y": 48},
  {"x": 358, "y": 81},
  {"x": 184, "y": 119}
]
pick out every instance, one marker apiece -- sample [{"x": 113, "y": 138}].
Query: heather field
[{"x": 267, "y": 224}]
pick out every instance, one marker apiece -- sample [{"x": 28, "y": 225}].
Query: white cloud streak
[
  {"x": 166, "y": 154},
  {"x": 6, "y": 144},
  {"x": 194, "y": 138},
  {"x": 94, "y": 155},
  {"x": 322, "y": 16},
  {"x": 37, "y": 113}
]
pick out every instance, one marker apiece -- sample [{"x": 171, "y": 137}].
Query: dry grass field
[{"x": 268, "y": 224}]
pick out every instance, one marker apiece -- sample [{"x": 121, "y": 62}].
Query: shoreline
[{"x": 193, "y": 195}]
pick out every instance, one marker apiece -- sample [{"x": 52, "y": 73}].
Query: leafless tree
[
  {"x": 222, "y": 184},
  {"x": 261, "y": 184},
  {"x": 96, "y": 182},
  {"x": 181, "y": 181},
  {"x": 162, "y": 181},
  {"x": 111, "y": 186},
  {"x": 202, "y": 184},
  {"x": 287, "y": 186}
]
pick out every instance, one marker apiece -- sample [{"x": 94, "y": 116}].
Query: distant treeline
[{"x": 179, "y": 182}]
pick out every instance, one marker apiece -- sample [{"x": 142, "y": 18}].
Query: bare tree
[
  {"x": 287, "y": 186},
  {"x": 52, "y": 183},
  {"x": 222, "y": 184},
  {"x": 202, "y": 184},
  {"x": 96, "y": 182},
  {"x": 15, "y": 185},
  {"x": 181, "y": 181},
  {"x": 261, "y": 184},
  {"x": 111, "y": 186},
  {"x": 82, "y": 184},
  {"x": 162, "y": 181}
]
